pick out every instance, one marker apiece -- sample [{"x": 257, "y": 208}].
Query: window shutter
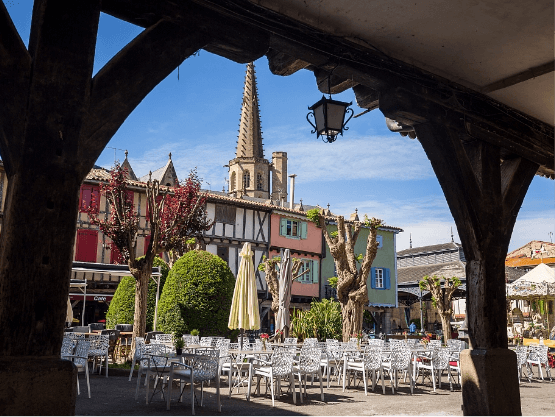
[
  {"x": 86, "y": 246},
  {"x": 387, "y": 279},
  {"x": 314, "y": 270},
  {"x": 373, "y": 277},
  {"x": 95, "y": 199},
  {"x": 303, "y": 230},
  {"x": 379, "y": 239},
  {"x": 85, "y": 198},
  {"x": 283, "y": 227}
]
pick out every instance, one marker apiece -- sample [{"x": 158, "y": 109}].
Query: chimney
[
  {"x": 292, "y": 188},
  {"x": 279, "y": 175}
]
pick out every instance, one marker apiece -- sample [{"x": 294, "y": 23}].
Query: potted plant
[
  {"x": 179, "y": 343},
  {"x": 264, "y": 337}
]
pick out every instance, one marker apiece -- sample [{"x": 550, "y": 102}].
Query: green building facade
[{"x": 382, "y": 280}]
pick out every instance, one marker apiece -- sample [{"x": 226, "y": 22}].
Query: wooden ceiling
[{"x": 483, "y": 68}]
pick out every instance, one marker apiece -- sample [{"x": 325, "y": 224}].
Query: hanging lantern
[{"x": 329, "y": 116}]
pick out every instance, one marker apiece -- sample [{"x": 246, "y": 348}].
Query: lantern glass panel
[
  {"x": 320, "y": 119},
  {"x": 336, "y": 115}
]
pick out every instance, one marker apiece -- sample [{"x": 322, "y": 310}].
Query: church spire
[{"x": 249, "y": 143}]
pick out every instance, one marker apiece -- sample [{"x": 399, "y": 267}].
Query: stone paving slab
[{"x": 116, "y": 396}]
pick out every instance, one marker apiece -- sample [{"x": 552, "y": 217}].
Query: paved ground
[{"x": 116, "y": 396}]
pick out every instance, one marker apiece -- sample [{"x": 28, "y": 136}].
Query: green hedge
[
  {"x": 122, "y": 306},
  {"x": 197, "y": 295}
]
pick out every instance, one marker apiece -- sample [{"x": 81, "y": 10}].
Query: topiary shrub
[
  {"x": 122, "y": 306},
  {"x": 197, "y": 295}
]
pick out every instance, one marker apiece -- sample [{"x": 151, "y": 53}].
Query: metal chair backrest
[
  {"x": 290, "y": 340},
  {"x": 311, "y": 341},
  {"x": 82, "y": 351},
  {"x": 433, "y": 343},
  {"x": 400, "y": 356},
  {"x": 372, "y": 357},
  {"x": 441, "y": 358},
  {"x": 164, "y": 338},
  {"x": 206, "y": 341},
  {"x": 205, "y": 367},
  {"x": 521, "y": 355},
  {"x": 97, "y": 326},
  {"x": 99, "y": 343},
  {"x": 309, "y": 359},
  {"x": 376, "y": 342},
  {"x": 281, "y": 361},
  {"x": 68, "y": 345},
  {"x": 76, "y": 336},
  {"x": 538, "y": 354}
]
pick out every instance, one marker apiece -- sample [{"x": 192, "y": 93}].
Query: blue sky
[{"x": 196, "y": 118}]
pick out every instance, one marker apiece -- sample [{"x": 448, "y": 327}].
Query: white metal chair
[
  {"x": 280, "y": 365},
  {"x": 369, "y": 361},
  {"x": 290, "y": 341},
  {"x": 537, "y": 356},
  {"x": 400, "y": 360},
  {"x": 68, "y": 346},
  {"x": 206, "y": 341},
  {"x": 81, "y": 360},
  {"x": 309, "y": 364},
  {"x": 164, "y": 339},
  {"x": 139, "y": 349},
  {"x": 522, "y": 361},
  {"x": 203, "y": 368},
  {"x": 311, "y": 341},
  {"x": 98, "y": 351},
  {"x": 239, "y": 368},
  {"x": 149, "y": 363}
]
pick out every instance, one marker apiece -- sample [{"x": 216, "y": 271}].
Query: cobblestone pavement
[{"x": 116, "y": 396}]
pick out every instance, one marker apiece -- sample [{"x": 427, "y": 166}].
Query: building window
[
  {"x": 293, "y": 228},
  {"x": 86, "y": 245},
  {"x": 233, "y": 181},
  {"x": 223, "y": 253},
  {"x": 380, "y": 278},
  {"x": 308, "y": 271},
  {"x": 90, "y": 197},
  {"x": 225, "y": 214},
  {"x": 246, "y": 179},
  {"x": 259, "y": 182}
]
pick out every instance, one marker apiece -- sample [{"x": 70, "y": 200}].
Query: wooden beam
[
  {"x": 283, "y": 64},
  {"x": 411, "y": 109},
  {"x": 128, "y": 77},
  {"x": 366, "y": 98},
  {"x": 330, "y": 83},
  {"x": 15, "y": 70},
  {"x": 519, "y": 78}
]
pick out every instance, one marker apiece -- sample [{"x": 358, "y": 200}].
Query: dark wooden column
[
  {"x": 484, "y": 194},
  {"x": 484, "y": 186},
  {"x": 55, "y": 119}
]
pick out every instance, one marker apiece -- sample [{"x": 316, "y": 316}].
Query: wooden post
[
  {"x": 55, "y": 120},
  {"x": 484, "y": 194}
]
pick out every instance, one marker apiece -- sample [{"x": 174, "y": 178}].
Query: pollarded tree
[
  {"x": 270, "y": 268},
  {"x": 442, "y": 296},
  {"x": 352, "y": 291},
  {"x": 174, "y": 215}
]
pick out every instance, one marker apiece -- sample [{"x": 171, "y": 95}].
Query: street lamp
[{"x": 329, "y": 116}]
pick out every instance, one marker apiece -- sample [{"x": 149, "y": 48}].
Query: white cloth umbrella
[
  {"x": 244, "y": 312},
  {"x": 283, "y": 319},
  {"x": 541, "y": 273},
  {"x": 69, "y": 313}
]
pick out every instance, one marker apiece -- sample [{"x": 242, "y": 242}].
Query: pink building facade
[{"x": 290, "y": 229}]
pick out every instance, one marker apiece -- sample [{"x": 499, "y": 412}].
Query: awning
[
  {"x": 109, "y": 269},
  {"x": 90, "y": 297}
]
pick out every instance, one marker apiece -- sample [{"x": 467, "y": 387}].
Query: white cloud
[{"x": 353, "y": 157}]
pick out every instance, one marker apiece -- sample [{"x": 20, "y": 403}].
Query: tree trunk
[
  {"x": 446, "y": 326},
  {"x": 352, "y": 313},
  {"x": 141, "y": 293}
]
